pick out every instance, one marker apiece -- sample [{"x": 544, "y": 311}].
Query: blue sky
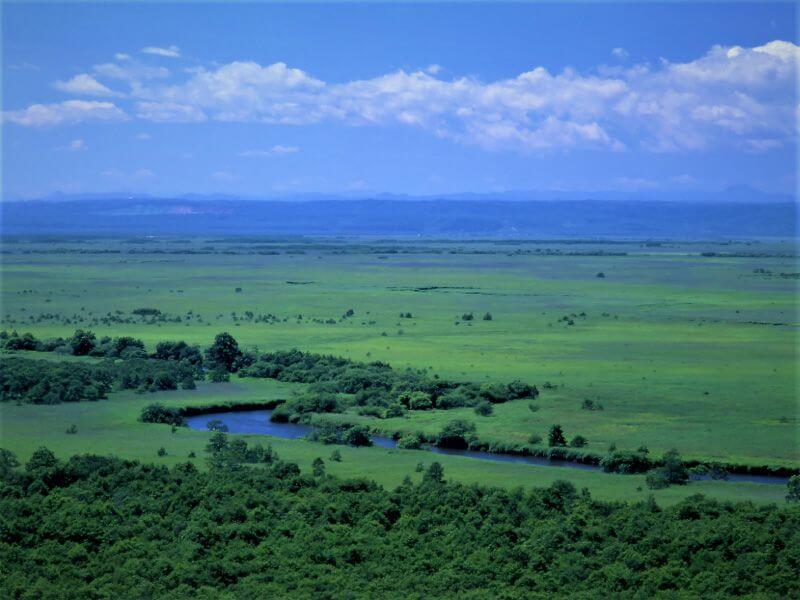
[{"x": 269, "y": 100}]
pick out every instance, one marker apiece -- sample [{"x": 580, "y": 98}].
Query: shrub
[
  {"x": 456, "y": 434},
  {"x": 394, "y": 411},
  {"x": 409, "y": 442},
  {"x": 625, "y": 461},
  {"x": 657, "y": 479},
  {"x": 370, "y": 411},
  {"x": 219, "y": 375},
  {"x": 578, "y": 441},
  {"x": 24, "y": 342},
  {"x": 535, "y": 439},
  {"x": 484, "y": 409},
  {"x": 158, "y": 413},
  {"x": 416, "y": 400}
]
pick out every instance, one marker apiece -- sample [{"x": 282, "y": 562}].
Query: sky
[{"x": 260, "y": 100}]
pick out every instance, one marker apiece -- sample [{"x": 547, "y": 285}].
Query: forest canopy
[{"x": 102, "y": 527}]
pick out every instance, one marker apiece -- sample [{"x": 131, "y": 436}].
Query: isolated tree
[
  {"x": 224, "y": 352},
  {"x": 793, "y": 489},
  {"x": 434, "y": 474},
  {"x": 318, "y": 467},
  {"x": 82, "y": 342},
  {"x": 556, "y": 436},
  {"x": 674, "y": 468},
  {"x": 217, "y": 443}
]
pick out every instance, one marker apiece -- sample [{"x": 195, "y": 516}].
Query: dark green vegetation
[
  {"x": 374, "y": 385},
  {"x": 104, "y": 527},
  {"x": 48, "y": 382}
]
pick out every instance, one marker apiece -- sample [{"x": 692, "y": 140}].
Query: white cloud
[
  {"x": 143, "y": 136},
  {"x": 76, "y": 145},
  {"x": 274, "y": 151},
  {"x": 68, "y": 112},
  {"x": 170, "y": 52},
  {"x": 620, "y": 53},
  {"x": 169, "y": 112},
  {"x": 732, "y": 96},
  {"x": 130, "y": 71},
  {"x": 121, "y": 56},
  {"x": 83, "y": 85}
]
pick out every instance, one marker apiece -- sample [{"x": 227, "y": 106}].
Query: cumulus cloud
[
  {"x": 169, "y": 52},
  {"x": 84, "y": 85},
  {"x": 68, "y": 112},
  {"x": 733, "y": 96}
]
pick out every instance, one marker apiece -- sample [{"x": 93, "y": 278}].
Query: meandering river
[{"x": 257, "y": 422}]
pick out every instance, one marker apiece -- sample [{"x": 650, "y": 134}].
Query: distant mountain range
[
  {"x": 732, "y": 214},
  {"x": 738, "y": 193}
]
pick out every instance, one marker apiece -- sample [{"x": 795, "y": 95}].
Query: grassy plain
[
  {"x": 682, "y": 350},
  {"x": 110, "y": 427}
]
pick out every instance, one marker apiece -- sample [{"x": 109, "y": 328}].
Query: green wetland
[
  {"x": 329, "y": 418},
  {"x": 666, "y": 345}
]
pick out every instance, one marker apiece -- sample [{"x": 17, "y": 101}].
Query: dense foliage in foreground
[{"x": 101, "y": 527}]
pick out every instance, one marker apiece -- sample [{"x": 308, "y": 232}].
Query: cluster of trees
[
  {"x": 46, "y": 382},
  {"x": 556, "y": 438},
  {"x": 670, "y": 470},
  {"x": 229, "y": 455},
  {"x": 338, "y": 383},
  {"x": 341, "y": 433},
  {"x": 158, "y": 413},
  {"x": 99, "y": 527},
  {"x": 85, "y": 343},
  {"x": 43, "y": 382}
]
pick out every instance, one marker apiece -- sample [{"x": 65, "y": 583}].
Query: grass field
[
  {"x": 110, "y": 427},
  {"x": 682, "y": 350}
]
